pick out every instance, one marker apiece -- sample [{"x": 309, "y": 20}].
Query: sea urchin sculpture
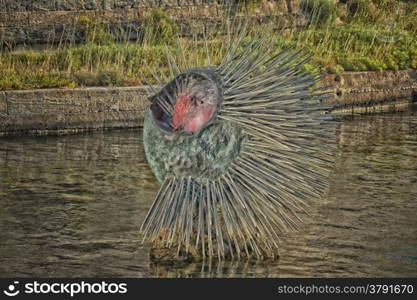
[{"x": 240, "y": 149}]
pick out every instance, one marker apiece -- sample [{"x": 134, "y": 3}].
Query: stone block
[{"x": 3, "y": 104}]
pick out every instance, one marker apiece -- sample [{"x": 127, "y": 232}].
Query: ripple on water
[{"x": 72, "y": 206}]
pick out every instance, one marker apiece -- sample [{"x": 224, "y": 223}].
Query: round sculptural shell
[
  {"x": 206, "y": 154},
  {"x": 187, "y": 103}
]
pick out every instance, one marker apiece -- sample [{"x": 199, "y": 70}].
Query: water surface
[{"x": 72, "y": 206}]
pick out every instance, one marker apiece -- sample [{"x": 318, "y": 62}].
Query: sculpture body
[{"x": 240, "y": 149}]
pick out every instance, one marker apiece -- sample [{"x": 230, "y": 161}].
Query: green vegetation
[
  {"x": 367, "y": 35},
  {"x": 350, "y": 47},
  {"x": 320, "y": 12},
  {"x": 83, "y": 65},
  {"x": 94, "y": 32},
  {"x": 159, "y": 28}
]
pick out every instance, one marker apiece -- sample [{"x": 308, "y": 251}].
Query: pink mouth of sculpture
[
  {"x": 185, "y": 105},
  {"x": 190, "y": 114}
]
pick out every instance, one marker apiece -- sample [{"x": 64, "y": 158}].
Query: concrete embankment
[
  {"x": 63, "y": 111},
  {"x": 367, "y": 92}
]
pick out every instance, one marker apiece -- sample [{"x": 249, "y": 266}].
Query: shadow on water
[{"x": 72, "y": 206}]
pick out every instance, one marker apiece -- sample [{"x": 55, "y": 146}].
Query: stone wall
[
  {"x": 45, "y": 27},
  {"x": 75, "y": 5},
  {"x": 43, "y": 21},
  {"x": 56, "y": 111}
]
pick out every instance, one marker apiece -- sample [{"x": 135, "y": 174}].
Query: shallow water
[{"x": 72, "y": 206}]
